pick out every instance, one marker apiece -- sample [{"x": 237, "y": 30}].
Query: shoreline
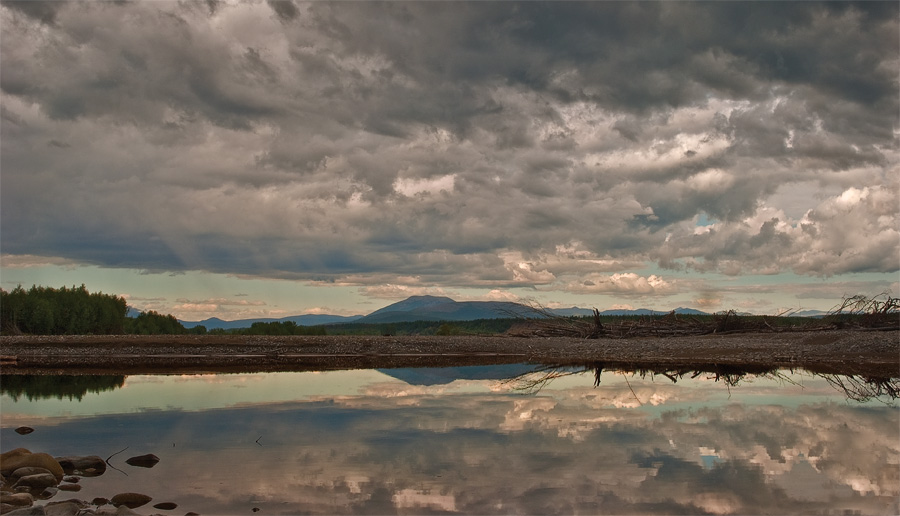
[{"x": 851, "y": 352}]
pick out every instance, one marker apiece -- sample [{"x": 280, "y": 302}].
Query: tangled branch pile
[{"x": 879, "y": 312}]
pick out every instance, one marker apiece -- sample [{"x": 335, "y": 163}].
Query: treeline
[
  {"x": 63, "y": 311},
  {"x": 270, "y": 328},
  {"x": 75, "y": 311},
  {"x": 476, "y": 327},
  {"x": 153, "y": 323}
]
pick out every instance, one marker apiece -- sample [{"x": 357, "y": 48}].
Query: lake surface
[{"x": 475, "y": 440}]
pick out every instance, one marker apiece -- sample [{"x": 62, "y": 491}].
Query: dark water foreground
[{"x": 492, "y": 439}]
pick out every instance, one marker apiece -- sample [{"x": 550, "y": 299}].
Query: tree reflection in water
[
  {"x": 857, "y": 388},
  {"x": 73, "y": 387}
]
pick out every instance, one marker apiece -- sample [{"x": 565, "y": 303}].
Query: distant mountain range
[
  {"x": 808, "y": 313},
  {"x": 301, "y": 320},
  {"x": 437, "y": 308}
]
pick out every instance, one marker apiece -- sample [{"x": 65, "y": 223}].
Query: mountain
[
  {"x": 570, "y": 312},
  {"x": 645, "y": 311},
  {"x": 808, "y": 313},
  {"x": 689, "y": 311},
  {"x": 411, "y": 304},
  {"x": 434, "y": 308},
  {"x": 301, "y": 320},
  {"x": 585, "y": 312}
]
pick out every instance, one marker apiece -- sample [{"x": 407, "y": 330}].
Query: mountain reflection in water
[{"x": 580, "y": 439}]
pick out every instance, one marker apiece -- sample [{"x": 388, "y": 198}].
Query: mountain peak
[
  {"x": 414, "y": 303},
  {"x": 428, "y": 299}
]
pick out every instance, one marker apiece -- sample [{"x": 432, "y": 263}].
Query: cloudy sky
[{"x": 274, "y": 158}]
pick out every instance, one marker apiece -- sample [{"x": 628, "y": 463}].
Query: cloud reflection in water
[{"x": 640, "y": 446}]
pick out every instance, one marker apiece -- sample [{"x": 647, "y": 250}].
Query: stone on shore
[{"x": 21, "y": 458}]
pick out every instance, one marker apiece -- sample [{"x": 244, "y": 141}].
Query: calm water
[{"x": 461, "y": 440}]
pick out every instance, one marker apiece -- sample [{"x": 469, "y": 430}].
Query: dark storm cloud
[
  {"x": 45, "y": 12},
  {"x": 285, "y": 9},
  {"x": 455, "y": 143}
]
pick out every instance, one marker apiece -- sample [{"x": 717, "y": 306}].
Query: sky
[{"x": 263, "y": 158}]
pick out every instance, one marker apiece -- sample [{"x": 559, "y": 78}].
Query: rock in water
[
  {"x": 165, "y": 506},
  {"x": 86, "y": 466},
  {"x": 36, "y": 510},
  {"x": 47, "y": 493},
  {"x": 24, "y": 430},
  {"x": 17, "y": 499},
  {"x": 21, "y": 458},
  {"x": 28, "y": 470},
  {"x": 38, "y": 481},
  {"x": 130, "y": 500},
  {"x": 143, "y": 461},
  {"x": 66, "y": 508}
]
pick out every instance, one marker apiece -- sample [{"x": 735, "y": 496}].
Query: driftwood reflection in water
[
  {"x": 855, "y": 387},
  {"x": 864, "y": 388}
]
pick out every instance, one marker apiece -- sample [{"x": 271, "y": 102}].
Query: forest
[
  {"x": 75, "y": 311},
  {"x": 63, "y": 311}
]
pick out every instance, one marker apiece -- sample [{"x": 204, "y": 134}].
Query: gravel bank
[{"x": 874, "y": 353}]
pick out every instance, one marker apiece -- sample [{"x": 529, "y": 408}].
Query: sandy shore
[{"x": 871, "y": 353}]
